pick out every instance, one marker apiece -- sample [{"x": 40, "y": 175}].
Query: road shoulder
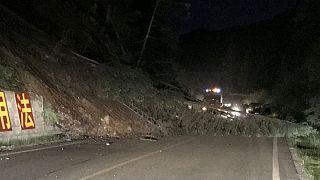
[{"x": 298, "y": 162}]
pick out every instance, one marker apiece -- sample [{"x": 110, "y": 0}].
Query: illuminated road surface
[{"x": 184, "y": 157}]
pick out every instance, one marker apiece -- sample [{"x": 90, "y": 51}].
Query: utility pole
[{"x": 148, "y": 33}]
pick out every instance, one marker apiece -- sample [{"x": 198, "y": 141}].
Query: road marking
[
  {"x": 92, "y": 176},
  {"x": 39, "y": 149},
  {"x": 275, "y": 160}
]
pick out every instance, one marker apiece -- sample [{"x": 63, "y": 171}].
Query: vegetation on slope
[
  {"x": 83, "y": 62},
  {"x": 309, "y": 150}
]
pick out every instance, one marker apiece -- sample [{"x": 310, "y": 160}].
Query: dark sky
[{"x": 219, "y": 14}]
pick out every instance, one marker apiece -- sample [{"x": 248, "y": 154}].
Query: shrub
[
  {"x": 50, "y": 115},
  {"x": 6, "y": 76}
]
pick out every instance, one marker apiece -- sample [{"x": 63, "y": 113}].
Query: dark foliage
[
  {"x": 104, "y": 30},
  {"x": 280, "y": 55},
  {"x": 242, "y": 58}
]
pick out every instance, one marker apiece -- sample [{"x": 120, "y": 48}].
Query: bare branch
[{"x": 85, "y": 58}]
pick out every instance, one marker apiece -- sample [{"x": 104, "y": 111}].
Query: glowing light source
[
  {"x": 236, "y": 108},
  {"x": 204, "y": 108},
  {"x": 216, "y": 90},
  {"x": 237, "y": 114}
]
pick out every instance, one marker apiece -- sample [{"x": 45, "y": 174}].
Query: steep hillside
[
  {"x": 93, "y": 93},
  {"x": 30, "y": 60}
]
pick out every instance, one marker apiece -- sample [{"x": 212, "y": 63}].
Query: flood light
[{"x": 216, "y": 90}]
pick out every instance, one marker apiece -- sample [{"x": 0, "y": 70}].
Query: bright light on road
[
  {"x": 236, "y": 108},
  {"x": 237, "y": 114},
  {"x": 216, "y": 90}
]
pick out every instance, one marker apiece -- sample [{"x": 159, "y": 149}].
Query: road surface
[{"x": 182, "y": 157}]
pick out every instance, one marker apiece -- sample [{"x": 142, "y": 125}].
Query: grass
[
  {"x": 309, "y": 151},
  {"x": 8, "y": 79},
  {"x": 312, "y": 167},
  {"x": 50, "y": 115},
  {"x": 32, "y": 141}
]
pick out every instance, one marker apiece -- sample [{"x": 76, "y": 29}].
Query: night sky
[{"x": 219, "y": 14}]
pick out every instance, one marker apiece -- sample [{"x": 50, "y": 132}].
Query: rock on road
[{"x": 181, "y": 157}]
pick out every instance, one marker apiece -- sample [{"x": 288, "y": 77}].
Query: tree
[{"x": 296, "y": 93}]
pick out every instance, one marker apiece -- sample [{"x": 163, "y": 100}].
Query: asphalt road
[{"x": 184, "y": 157}]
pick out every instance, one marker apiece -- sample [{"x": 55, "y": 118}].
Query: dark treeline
[
  {"x": 108, "y": 31},
  {"x": 280, "y": 55},
  {"x": 241, "y": 58},
  {"x": 112, "y": 31}
]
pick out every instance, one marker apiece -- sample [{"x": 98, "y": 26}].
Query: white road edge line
[
  {"x": 275, "y": 160},
  {"x": 39, "y": 149},
  {"x": 92, "y": 176}
]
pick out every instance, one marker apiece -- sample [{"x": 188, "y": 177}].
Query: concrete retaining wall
[{"x": 22, "y": 117}]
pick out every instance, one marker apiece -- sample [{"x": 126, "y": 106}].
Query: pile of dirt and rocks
[
  {"x": 99, "y": 98},
  {"x": 33, "y": 61}
]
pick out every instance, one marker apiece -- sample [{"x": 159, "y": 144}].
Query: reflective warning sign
[
  {"x": 5, "y": 124},
  {"x": 25, "y": 111}
]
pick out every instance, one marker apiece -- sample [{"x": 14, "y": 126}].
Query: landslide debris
[
  {"x": 91, "y": 97},
  {"x": 31, "y": 60}
]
